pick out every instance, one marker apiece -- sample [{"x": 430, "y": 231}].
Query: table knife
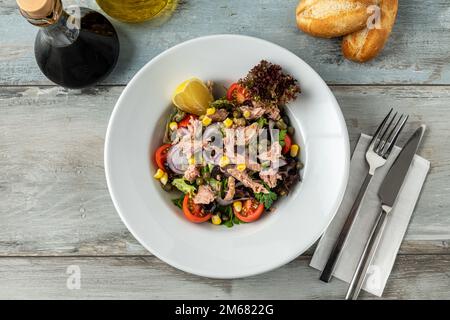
[{"x": 387, "y": 193}]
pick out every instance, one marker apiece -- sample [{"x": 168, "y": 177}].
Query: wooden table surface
[{"x": 55, "y": 210}]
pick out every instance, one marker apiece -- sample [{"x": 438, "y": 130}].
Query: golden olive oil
[{"x": 132, "y": 10}]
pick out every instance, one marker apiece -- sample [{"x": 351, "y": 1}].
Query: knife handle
[
  {"x": 339, "y": 245},
  {"x": 367, "y": 256}
]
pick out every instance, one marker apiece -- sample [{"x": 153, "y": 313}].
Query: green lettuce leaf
[{"x": 183, "y": 186}]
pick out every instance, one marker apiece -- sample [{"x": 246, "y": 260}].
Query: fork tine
[
  {"x": 394, "y": 138},
  {"x": 391, "y": 132},
  {"x": 377, "y": 147},
  {"x": 380, "y": 127}
]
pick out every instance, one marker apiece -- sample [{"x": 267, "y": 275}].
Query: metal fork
[{"x": 378, "y": 151}]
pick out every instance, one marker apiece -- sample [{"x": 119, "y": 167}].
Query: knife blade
[
  {"x": 393, "y": 181},
  {"x": 388, "y": 192}
]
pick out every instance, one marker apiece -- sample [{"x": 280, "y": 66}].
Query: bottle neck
[
  {"x": 59, "y": 28},
  {"x": 64, "y": 32}
]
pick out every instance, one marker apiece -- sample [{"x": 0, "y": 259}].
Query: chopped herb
[
  {"x": 178, "y": 202},
  {"x": 228, "y": 223},
  {"x": 224, "y": 184},
  {"x": 178, "y": 115},
  {"x": 265, "y": 164},
  {"x": 236, "y": 220},
  {"x": 262, "y": 122},
  {"x": 228, "y": 212},
  {"x": 204, "y": 170},
  {"x": 281, "y": 137},
  {"x": 228, "y": 218},
  {"x": 266, "y": 198},
  {"x": 222, "y": 103},
  {"x": 215, "y": 184}
]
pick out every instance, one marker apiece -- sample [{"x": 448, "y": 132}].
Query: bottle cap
[{"x": 36, "y": 9}]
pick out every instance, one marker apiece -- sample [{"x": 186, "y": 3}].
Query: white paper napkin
[{"x": 397, "y": 220}]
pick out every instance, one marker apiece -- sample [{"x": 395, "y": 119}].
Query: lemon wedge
[{"x": 192, "y": 96}]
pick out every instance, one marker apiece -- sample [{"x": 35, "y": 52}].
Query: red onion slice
[
  {"x": 176, "y": 161},
  {"x": 223, "y": 202}
]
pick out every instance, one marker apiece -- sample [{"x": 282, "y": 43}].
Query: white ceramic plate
[{"x": 136, "y": 129}]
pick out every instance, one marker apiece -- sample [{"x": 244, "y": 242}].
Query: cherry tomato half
[
  {"x": 237, "y": 92},
  {"x": 287, "y": 144},
  {"x": 194, "y": 212},
  {"x": 161, "y": 155},
  {"x": 251, "y": 211},
  {"x": 184, "y": 123}
]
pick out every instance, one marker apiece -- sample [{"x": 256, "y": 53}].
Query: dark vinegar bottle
[{"x": 74, "y": 48}]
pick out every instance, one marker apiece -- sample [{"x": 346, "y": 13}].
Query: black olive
[
  {"x": 211, "y": 207},
  {"x": 216, "y": 173},
  {"x": 291, "y": 131}
]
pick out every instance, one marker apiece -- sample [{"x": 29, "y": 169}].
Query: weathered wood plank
[
  {"x": 417, "y": 52},
  {"x": 53, "y": 194},
  {"x": 413, "y": 277}
]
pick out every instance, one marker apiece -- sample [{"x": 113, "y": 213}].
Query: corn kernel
[
  {"x": 158, "y": 175},
  {"x": 294, "y": 150},
  {"x": 241, "y": 167},
  {"x": 164, "y": 178},
  {"x": 191, "y": 160},
  {"x": 237, "y": 205},
  {"x": 210, "y": 111},
  {"x": 246, "y": 114},
  {"x": 206, "y": 121},
  {"x": 215, "y": 219},
  {"x": 228, "y": 122},
  {"x": 224, "y": 161},
  {"x": 173, "y": 125}
]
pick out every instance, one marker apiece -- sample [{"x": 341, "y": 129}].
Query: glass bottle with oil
[
  {"x": 74, "y": 48},
  {"x": 132, "y": 10}
]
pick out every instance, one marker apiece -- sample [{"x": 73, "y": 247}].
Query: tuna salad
[{"x": 230, "y": 158}]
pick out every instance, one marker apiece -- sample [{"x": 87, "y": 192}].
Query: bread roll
[
  {"x": 366, "y": 44},
  {"x": 332, "y": 18}
]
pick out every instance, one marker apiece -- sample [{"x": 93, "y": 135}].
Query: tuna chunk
[
  {"x": 204, "y": 195},
  {"x": 189, "y": 139},
  {"x": 219, "y": 115},
  {"x": 255, "y": 112},
  {"x": 245, "y": 134},
  {"x": 270, "y": 177},
  {"x": 273, "y": 154},
  {"x": 231, "y": 189},
  {"x": 243, "y": 177},
  {"x": 270, "y": 109},
  {"x": 191, "y": 173},
  {"x": 253, "y": 166},
  {"x": 273, "y": 112}
]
